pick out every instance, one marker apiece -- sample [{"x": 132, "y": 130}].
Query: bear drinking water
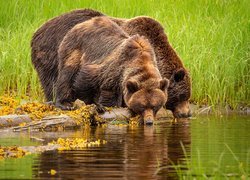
[
  {"x": 99, "y": 63},
  {"x": 48, "y": 37}
]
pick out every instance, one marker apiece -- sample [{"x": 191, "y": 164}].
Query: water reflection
[
  {"x": 130, "y": 153},
  {"x": 217, "y": 147}
]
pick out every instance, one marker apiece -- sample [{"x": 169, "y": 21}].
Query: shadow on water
[{"x": 140, "y": 152}]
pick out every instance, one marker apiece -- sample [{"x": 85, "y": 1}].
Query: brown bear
[
  {"x": 168, "y": 61},
  {"x": 99, "y": 63},
  {"x": 46, "y": 41}
]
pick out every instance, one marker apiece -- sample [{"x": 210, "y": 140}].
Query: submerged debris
[
  {"x": 60, "y": 144},
  {"x": 52, "y": 172},
  {"x": 12, "y": 152},
  {"x": 76, "y": 143},
  {"x": 135, "y": 121}
]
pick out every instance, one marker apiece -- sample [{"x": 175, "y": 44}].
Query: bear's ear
[
  {"x": 164, "y": 83},
  {"x": 132, "y": 86},
  {"x": 179, "y": 75}
]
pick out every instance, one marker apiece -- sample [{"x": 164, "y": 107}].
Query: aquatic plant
[
  {"x": 61, "y": 144},
  {"x": 76, "y": 143},
  {"x": 12, "y": 152}
]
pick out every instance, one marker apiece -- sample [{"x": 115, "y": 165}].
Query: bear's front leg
[
  {"x": 109, "y": 98},
  {"x": 64, "y": 92}
]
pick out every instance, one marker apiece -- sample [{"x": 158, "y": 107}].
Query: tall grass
[{"x": 212, "y": 38}]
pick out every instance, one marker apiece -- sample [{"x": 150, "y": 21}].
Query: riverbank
[{"x": 34, "y": 116}]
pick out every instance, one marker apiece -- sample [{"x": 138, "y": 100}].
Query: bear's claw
[{"x": 64, "y": 107}]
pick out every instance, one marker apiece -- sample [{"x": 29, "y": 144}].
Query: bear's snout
[
  {"x": 183, "y": 115},
  {"x": 182, "y": 110},
  {"x": 148, "y": 117}
]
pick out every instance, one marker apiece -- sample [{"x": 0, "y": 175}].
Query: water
[{"x": 207, "y": 145}]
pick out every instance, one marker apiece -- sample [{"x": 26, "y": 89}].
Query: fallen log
[
  {"x": 17, "y": 122},
  {"x": 38, "y": 116},
  {"x": 14, "y": 120}
]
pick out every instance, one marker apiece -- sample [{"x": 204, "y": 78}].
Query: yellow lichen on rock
[
  {"x": 7, "y": 105},
  {"x": 8, "y": 101},
  {"x": 81, "y": 115},
  {"x": 35, "y": 110},
  {"x": 86, "y": 115},
  {"x": 6, "y": 110}
]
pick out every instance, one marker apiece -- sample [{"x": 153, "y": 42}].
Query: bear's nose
[
  {"x": 185, "y": 115},
  {"x": 148, "y": 117},
  {"x": 149, "y": 121}
]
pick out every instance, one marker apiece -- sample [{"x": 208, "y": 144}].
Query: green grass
[
  {"x": 212, "y": 38},
  {"x": 195, "y": 168}
]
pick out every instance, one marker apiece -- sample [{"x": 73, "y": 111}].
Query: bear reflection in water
[{"x": 143, "y": 152}]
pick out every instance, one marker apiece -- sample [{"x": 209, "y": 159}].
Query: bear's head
[
  {"x": 146, "y": 102},
  {"x": 179, "y": 92}
]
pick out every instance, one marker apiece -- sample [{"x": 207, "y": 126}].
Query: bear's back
[
  {"x": 45, "y": 43},
  {"x": 96, "y": 38}
]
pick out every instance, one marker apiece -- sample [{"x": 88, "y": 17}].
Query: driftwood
[
  {"x": 48, "y": 123},
  {"x": 14, "y": 120},
  {"x": 24, "y": 122},
  {"x": 56, "y": 122}
]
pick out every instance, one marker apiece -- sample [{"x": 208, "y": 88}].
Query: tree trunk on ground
[{"x": 24, "y": 122}]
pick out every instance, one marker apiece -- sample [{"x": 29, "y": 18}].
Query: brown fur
[
  {"x": 47, "y": 39},
  {"x": 73, "y": 59},
  {"x": 168, "y": 61},
  {"x": 45, "y": 44},
  {"x": 99, "y": 63}
]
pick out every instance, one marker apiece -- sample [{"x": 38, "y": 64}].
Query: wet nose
[
  {"x": 185, "y": 115},
  {"x": 149, "y": 121}
]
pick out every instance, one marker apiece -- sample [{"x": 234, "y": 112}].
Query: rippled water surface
[{"x": 143, "y": 152}]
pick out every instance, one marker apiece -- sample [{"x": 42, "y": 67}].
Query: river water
[{"x": 206, "y": 146}]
